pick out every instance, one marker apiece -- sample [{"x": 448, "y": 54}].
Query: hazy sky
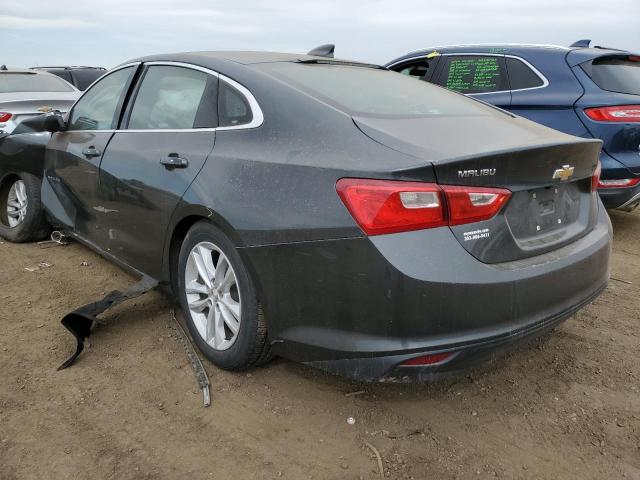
[{"x": 108, "y": 32}]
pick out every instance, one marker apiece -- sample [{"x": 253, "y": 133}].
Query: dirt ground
[{"x": 565, "y": 407}]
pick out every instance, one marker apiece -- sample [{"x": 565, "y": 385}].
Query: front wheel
[
  {"x": 219, "y": 300},
  {"x": 21, "y": 216}
]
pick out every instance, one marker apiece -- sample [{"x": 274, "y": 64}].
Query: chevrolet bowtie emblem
[
  {"x": 45, "y": 109},
  {"x": 563, "y": 173}
]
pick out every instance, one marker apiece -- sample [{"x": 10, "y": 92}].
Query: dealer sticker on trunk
[{"x": 476, "y": 234}]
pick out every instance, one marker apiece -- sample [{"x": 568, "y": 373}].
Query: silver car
[{"x": 26, "y": 93}]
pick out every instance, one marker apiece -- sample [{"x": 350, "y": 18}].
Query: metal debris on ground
[
  {"x": 194, "y": 359},
  {"x": 378, "y": 458},
  {"x": 80, "y": 321},
  {"x": 355, "y": 394},
  {"x": 57, "y": 239},
  {"x": 40, "y": 266},
  {"x": 621, "y": 280}
]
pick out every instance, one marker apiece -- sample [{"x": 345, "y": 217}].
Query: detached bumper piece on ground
[{"x": 80, "y": 321}]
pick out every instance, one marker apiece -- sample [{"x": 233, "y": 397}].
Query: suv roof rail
[
  {"x": 323, "y": 51},
  {"x": 581, "y": 44}
]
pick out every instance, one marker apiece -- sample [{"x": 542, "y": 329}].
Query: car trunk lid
[{"x": 549, "y": 174}]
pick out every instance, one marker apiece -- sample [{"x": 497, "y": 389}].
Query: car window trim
[
  {"x": 545, "y": 81},
  {"x": 257, "y": 120},
  {"x": 258, "y": 116}
]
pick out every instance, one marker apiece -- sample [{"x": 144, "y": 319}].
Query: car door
[
  {"x": 73, "y": 156},
  {"x": 478, "y": 75},
  {"x": 167, "y": 134}
]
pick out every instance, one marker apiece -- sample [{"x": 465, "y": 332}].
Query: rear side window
[
  {"x": 472, "y": 74},
  {"x": 233, "y": 107},
  {"x": 83, "y": 78},
  {"x": 171, "y": 98},
  {"x": 615, "y": 74},
  {"x": 32, "y": 82},
  {"x": 418, "y": 69},
  {"x": 64, "y": 74},
  {"x": 521, "y": 76},
  {"x": 97, "y": 108}
]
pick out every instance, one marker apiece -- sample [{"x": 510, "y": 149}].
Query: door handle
[
  {"x": 91, "y": 152},
  {"x": 173, "y": 160}
]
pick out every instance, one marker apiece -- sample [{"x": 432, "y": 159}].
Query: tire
[
  {"x": 211, "y": 310},
  {"x": 21, "y": 216}
]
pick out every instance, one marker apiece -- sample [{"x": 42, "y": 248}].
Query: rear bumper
[
  {"x": 617, "y": 197},
  {"x": 620, "y": 197},
  {"x": 361, "y": 307},
  {"x": 464, "y": 357}
]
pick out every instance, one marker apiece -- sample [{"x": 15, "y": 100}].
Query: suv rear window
[
  {"x": 521, "y": 76},
  {"x": 367, "y": 91},
  {"x": 615, "y": 74},
  {"x": 32, "y": 82}
]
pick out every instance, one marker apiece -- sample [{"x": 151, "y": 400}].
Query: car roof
[
  {"x": 35, "y": 72},
  {"x": 214, "y": 59},
  {"x": 576, "y": 54},
  {"x": 71, "y": 67},
  {"x": 21, "y": 70}
]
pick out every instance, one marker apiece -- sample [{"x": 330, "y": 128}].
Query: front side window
[
  {"x": 32, "y": 82},
  {"x": 174, "y": 98},
  {"x": 615, "y": 74},
  {"x": 96, "y": 110},
  {"x": 470, "y": 74},
  {"x": 521, "y": 76}
]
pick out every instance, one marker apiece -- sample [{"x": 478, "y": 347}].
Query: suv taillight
[
  {"x": 620, "y": 113},
  {"x": 5, "y": 117},
  {"x": 389, "y": 206},
  {"x": 619, "y": 183}
]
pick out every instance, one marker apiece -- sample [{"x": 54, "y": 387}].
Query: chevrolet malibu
[{"x": 331, "y": 212}]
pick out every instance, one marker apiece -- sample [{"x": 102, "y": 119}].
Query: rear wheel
[
  {"x": 21, "y": 216},
  {"x": 219, "y": 300}
]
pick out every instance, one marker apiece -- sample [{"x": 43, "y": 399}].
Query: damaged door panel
[
  {"x": 71, "y": 180},
  {"x": 168, "y": 132}
]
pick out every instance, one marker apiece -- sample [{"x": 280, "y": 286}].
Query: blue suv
[{"x": 588, "y": 92}]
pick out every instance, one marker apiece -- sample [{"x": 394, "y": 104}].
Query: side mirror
[
  {"x": 47, "y": 122},
  {"x": 54, "y": 122}
]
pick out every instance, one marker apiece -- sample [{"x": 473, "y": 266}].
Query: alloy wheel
[
  {"x": 213, "y": 296},
  {"x": 17, "y": 204}
]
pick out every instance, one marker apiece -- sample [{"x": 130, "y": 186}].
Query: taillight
[
  {"x": 5, "y": 117},
  {"x": 428, "y": 359},
  {"x": 620, "y": 113},
  {"x": 619, "y": 183},
  {"x": 595, "y": 178},
  {"x": 381, "y": 206},
  {"x": 387, "y": 206},
  {"x": 473, "y": 204}
]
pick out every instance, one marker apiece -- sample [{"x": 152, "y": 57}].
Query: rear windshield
[
  {"x": 365, "y": 91},
  {"x": 615, "y": 74},
  {"x": 32, "y": 82}
]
